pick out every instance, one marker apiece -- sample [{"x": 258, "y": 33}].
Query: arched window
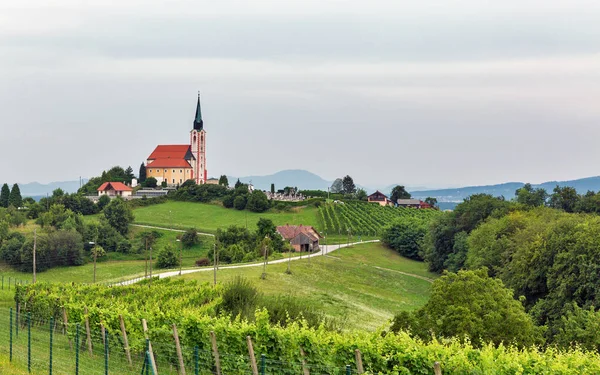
[{"x": 194, "y": 139}]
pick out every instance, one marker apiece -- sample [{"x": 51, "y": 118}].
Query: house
[
  {"x": 413, "y": 203},
  {"x": 175, "y": 164},
  {"x": 114, "y": 189},
  {"x": 301, "y": 237},
  {"x": 380, "y": 198}
]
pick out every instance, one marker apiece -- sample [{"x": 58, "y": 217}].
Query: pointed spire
[{"x": 198, "y": 123}]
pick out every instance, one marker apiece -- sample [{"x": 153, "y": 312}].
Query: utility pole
[
  {"x": 180, "y": 254},
  {"x": 150, "y": 265},
  {"x": 215, "y": 263},
  {"x": 264, "y": 274},
  {"x": 146, "y": 256},
  {"x": 34, "y": 247}
]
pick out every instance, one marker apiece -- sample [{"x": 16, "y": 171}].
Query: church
[{"x": 175, "y": 164}]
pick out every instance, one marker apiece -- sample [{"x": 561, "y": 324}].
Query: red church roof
[
  {"x": 169, "y": 152},
  {"x": 169, "y": 163},
  {"x": 116, "y": 186}
]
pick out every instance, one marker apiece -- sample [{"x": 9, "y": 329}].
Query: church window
[
  {"x": 180, "y": 171},
  {"x": 173, "y": 170},
  {"x": 194, "y": 139},
  {"x": 173, "y": 180},
  {"x": 165, "y": 171}
]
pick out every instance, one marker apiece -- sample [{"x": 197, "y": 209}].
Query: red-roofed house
[
  {"x": 175, "y": 164},
  {"x": 114, "y": 189},
  {"x": 380, "y": 198},
  {"x": 302, "y": 237}
]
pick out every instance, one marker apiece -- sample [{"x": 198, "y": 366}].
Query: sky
[{"x": 422, "y": 93}]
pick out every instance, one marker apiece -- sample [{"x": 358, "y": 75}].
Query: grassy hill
[
  {"x": 363, "y": 286},
  {"x": 210, "y": 217}
]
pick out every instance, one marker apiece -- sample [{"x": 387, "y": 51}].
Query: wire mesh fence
[{"x": 50, "y": 346}]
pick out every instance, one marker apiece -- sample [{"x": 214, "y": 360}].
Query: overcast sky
[{"x": 435, "y": 93}]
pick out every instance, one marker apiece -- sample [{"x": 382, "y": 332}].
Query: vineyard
[
  {"x": 293, "y": 349},
  {"x": 364, "y": 218}
]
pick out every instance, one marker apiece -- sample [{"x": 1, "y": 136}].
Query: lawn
[
  {"x": 210, "y": 217},
  {"x": 345, "y": 285}
]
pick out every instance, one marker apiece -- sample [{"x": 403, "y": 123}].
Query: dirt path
[{"x": 406, "y": 274}]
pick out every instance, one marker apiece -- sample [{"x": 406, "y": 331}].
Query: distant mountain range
[{"x": 306, "y": 180}]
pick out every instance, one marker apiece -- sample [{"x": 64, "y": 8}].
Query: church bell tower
[{"x": 198, "y": 146}]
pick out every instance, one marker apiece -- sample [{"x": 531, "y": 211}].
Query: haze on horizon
[{"x": 440, "y": 93}]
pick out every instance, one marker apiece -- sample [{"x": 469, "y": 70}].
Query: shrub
[
  {"x": 167, "y": 257},
  {"x": 406, "y": 236},
  {"x": 228, "y": 201},
  {"x": 203, "y": 262},
  {"x": 150, "y": 182},
  {"x": 239, "y": 203},
  {"x": 190, "y": 237},
  {"x": 257, "y": 202},
  {"x": 240, "y": 297}
]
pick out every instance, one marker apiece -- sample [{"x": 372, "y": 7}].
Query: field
[
  {"x": 209, "y": 217},
  {"x": 346, "y": 283}
]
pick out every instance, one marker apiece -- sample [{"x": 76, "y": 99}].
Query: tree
[
  {"x": 272, "y": 188},
  {"x": 151, "y": 182},
  {"x": 399, "y": 192},
  {"x": 238, "y": 183},
  {"x": 223, "y": 181},
  {"x": 348, "y": 185},
  {"x": 565, "y": 198},
  {"x": 361, "y": 195},
  {"x": 167, "y": 257},
  {"x": 531, "y": 197},
  {"x": 4, "y": 196},
  {"x": 470, "y": 304},
  {"x": 257, "y": 201},
  {"x": 142, "y": 173},
  {"x": 431, "y": 201},
  {"x": 406, "y": 236},
  {"x": 129, "y": 175},
  {"x": 15, "y": 199},
  {"x": 103, "y": 201},
  {"x": 337, "y": 186},
  {"x": 239, "y": 203},
  {"x": 190, "y": 237},
  {"x": 119, "y": 215}
]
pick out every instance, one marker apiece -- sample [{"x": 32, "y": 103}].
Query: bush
[
  {"x": 240, "y": 297},
  {"x": 257, "y": 202},
  {"x": 190, "y": 237},
  {"x": 167, "y": 257},
  {"x": 406, "y": 236},
  {"x": 150, "y": 182},
  {"x": 203, "y": 262},
  {"x": 239, "y": 203}
]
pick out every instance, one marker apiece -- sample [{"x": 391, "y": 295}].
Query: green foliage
[
  {"x": 348, "y": 185},
  {"x": 4, "y": 196},
  {"x": 239, "y": 298},
  {"x": 192, "y": 308},
  {"x": 115, "y": 174},
  {"x": 361, "y": 195},
  {"x": 564, "y": 198},
  {"x": 431, "y": 201},
  {"x": 406, "y": 236},
  {"x": 579, "y": 327},
  {"x": 337, "y": 186},
  {"x": 15, "y": 199},
  {"x": 439, "y": 243},
  {"x": 168, "y": 257},
  {"x": 530, "y": 197},
  {"x": 150, "y": 182},
  {"x": 203, "y": 262},
  {"x": 272, "y": 188},
  {"x": 142, "y": 173},
  {"x": 103, "y": 201},
  {"x": 223, "y": 181},
  {"x": 257, "y": 202},
  {"x": 469, "y": 304},
  {"x": 190, "y": 238},
  {"x": 119, "y": 215},
  {"x": 399, "y": 192},
  {"x": 239, "y": 203},
  {"x": 200, "y": 193}
]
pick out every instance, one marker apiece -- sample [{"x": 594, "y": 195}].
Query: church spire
[{"x": 198, "y": 123}]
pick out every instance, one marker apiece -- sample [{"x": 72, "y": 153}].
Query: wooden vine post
[
  {"x": 66, "y": 327},
  {"x": 178, "y": 349},
  {"x": 125, "y": 341},
  {"x": 252, "y": 357},
  {"x": 359, "y": 364},
  {"x": 213, "y": 341},
  {"x": 304, "y": 368},
  {"x": 87, "y": 330},
  {"x": 437, "y": 369},
  {"x": 153, "y": 364}
]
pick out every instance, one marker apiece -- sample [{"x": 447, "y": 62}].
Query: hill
[
  {"x": 507, "y": 190},
  {"x": 302, "y": 179}
]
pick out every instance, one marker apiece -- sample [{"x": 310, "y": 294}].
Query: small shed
[{"x": 301, "y": 237}]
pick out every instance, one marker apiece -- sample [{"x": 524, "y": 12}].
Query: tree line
[{"x": 542, "y": 251}]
